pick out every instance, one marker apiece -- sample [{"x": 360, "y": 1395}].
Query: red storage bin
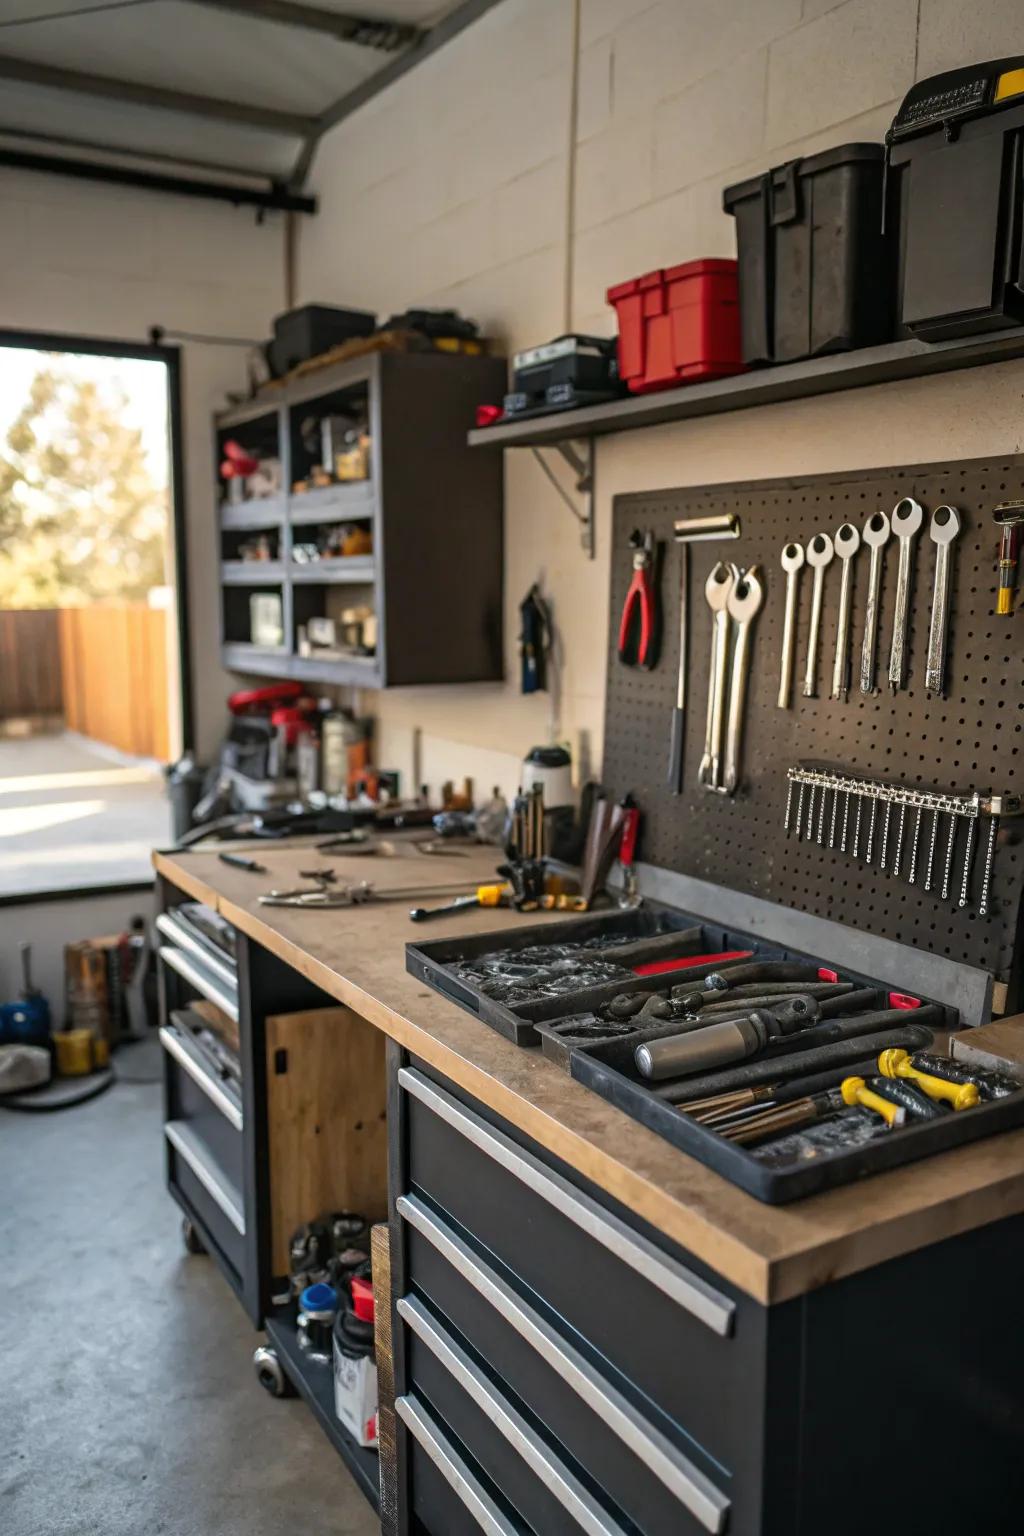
[{"x": 678, "y": 323}]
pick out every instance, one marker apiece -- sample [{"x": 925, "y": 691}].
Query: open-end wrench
[
  {"x": 876, "y": 536},
  {"x": 819, "y": 555},
  {"x": 717, "y": 589},
  {"x": 945, "y": 525},
  {"x": 847, "y": 543},
  {"x": 907, "y": 517},
  {"x": 792, "y": 564},
  {"x": 745, "y": 602}
]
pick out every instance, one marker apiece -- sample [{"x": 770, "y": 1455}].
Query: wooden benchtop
[{"x": 771, "y": 1252}]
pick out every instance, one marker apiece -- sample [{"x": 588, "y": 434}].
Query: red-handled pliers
[{"x": 637, "y": 629}]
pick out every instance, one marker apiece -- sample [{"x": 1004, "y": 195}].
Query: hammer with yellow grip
[
  {"x": 855, "y": 1091},
  {"x": 896, "y": 1063}
]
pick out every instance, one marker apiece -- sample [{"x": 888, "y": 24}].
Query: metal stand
[{"x": 580, "y": 458}]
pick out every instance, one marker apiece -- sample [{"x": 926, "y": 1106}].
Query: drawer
[
  {"x": 184, "y": 936},
  {"x": 204, "y": 1106},
  {"x": 449, "y": 1496},
  {"x": 208, "y": 1190},
  {"x": 182, "y": 1049},
  {"x": 652, "y": 1323},
  {"x": 198, "y": 975},
  {"x": 534, "y": 1477},
  {"x": 620, "y": 1447}
]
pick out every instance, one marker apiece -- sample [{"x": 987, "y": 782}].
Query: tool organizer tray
[{"x": 971, "y": 740}]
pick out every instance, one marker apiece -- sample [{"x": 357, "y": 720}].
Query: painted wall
[
  {"x": 83, "y": 259},
  {"x": 453, "y": 188}
]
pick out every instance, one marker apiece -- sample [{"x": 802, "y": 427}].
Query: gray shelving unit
[{"x": 435, "y": 511}]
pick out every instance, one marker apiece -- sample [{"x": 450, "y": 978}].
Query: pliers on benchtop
[{"x": 638, "y": 628}]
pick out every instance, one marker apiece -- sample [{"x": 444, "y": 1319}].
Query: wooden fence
[
  {"x": 114, "y": 660},
  {"x": 30, "y": 669}
]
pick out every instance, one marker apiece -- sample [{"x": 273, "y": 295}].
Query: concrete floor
[
  {"x": 74, "y": 813},
  {"x": 129, "y": 1406}
]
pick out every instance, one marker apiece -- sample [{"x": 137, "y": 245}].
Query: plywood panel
[{"x": 326, "y": 1087}]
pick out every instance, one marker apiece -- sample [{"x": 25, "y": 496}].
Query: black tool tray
[{"x": 643, "y": 934}]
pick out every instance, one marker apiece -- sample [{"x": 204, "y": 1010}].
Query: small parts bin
[
  {"x": 956, "y": 152},
  {"x": 816, "y": 267},
  {"x": 678, "y": 324}
]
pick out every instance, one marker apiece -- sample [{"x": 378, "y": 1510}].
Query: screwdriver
[
  {"x": 483, "y": 896},
  {"x": 895, "y": 1063}
]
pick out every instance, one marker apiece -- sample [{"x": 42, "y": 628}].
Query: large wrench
[
  {"x": 792, "y": 564},
  {"x": 745, "y": 602},
  {"x": 907, "y": 517},
  {"x": 819, "y": 555},
  {"x": 876, "y": 536},
  {"x": 945, "y": 526},
  {"x": 717, "y": 589},
  {"x": 847, "y": 545}
]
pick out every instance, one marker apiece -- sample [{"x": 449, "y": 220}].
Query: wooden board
[
  {"x": 998, "y": 1047},
  {"x": 327, "y": 1123},
  {"x": 357, "y": 955},
  {"x": 387, "y": 1438}
]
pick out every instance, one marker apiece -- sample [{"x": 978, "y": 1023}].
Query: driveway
[{"x": 74, "y": 813}]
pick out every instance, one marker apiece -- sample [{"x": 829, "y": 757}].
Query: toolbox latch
[{"x": 784, "y": 193}]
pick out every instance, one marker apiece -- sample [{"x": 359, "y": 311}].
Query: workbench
[{"x": 593, "y": 1331}]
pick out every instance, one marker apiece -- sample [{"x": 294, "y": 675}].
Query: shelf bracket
[{"x": 580, "y": 458}]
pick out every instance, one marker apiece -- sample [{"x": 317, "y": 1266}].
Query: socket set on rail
[{"x": 869, "y": 817}]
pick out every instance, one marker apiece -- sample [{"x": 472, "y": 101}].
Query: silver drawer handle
[
  {"x": 188, "y": 1149},
  {"x": 680, "y": 1284},
  {"x": 683, "y": 1480},
  {"x": 178, "y": 933},
  {"x": 548, "y": 1468},
  {"x": 171, "y": 1042},
  {"x": 203, "y": 982},
  {"x": 452, "y": 1468}
]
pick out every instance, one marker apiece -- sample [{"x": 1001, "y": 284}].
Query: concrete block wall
[{"x": 452, "y": 188}]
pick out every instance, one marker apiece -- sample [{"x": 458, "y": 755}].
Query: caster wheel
[
  {"x": 190, "y": 1237},
  {"x": 269, "y": 1372}
]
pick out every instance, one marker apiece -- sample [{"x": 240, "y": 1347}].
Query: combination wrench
[
  {"x": 819, "y": 555},
  {"x": 717, "y": 590},
  {"x": 847, "y": 543},
  {"x": 745, "y": 602},
  {"x": 792, "y": 563},
  {"x": 945, "y": 525},
  {"x": 907, "y": 517},
  {"x": 876, "y": 536}
]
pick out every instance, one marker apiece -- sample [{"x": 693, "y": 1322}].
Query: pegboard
[{"x": 969, "y": 740}]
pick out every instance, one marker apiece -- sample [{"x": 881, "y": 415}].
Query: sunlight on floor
[{"x": 19, "y": 820}]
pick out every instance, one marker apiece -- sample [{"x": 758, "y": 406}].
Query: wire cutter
[{"x": 638, "y": 627}]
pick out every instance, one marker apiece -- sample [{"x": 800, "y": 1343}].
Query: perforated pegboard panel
[{"x": 970, "y": 740}]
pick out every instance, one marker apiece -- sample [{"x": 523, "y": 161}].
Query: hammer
[
  {"x": 690, "y": 530},
  {"x": 1008, "y": 515}
]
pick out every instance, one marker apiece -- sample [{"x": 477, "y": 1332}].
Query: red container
[{"x": 678, "y": 324}]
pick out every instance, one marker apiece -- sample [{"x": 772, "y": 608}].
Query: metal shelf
[
  {"x": 353, "y": 499},
  {"x": 359, "y": 671},
  {"x": 259, "y": 512},
  {"x": 353, "y": 568},
  {"x": 887, "y": 364},
  {"x": 251, "y": 573},
  {"x": 316, "y": 1384}
]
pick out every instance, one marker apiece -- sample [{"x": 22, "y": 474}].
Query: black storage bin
[
  {"x": 956, "y": 161},
  {"x": 303, "y": 333},
  {"x": 816, "y": 266}
]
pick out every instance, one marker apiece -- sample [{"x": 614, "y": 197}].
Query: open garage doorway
[{"x": 93, "y": 665}]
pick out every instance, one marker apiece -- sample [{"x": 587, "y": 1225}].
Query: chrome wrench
[
  {"x": 945, "y": 525},
  {"x": 847, "y": 543},
  {"x": 819, "y": 555},
  {"x": 745, "y": 602},
  {"x": 876, "y": 536},
  {"x": 792, "y": 563},
  {"x": 907, "y": 517},
  {"x": 717, "y": 590}
]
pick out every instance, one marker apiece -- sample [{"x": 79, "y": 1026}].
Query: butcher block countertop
[{"x": 773, "y": 1253}]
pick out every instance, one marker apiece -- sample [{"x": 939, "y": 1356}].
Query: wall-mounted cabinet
[{"x": 423, "y": 521}]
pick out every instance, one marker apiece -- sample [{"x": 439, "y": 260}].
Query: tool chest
[
  {"x": 560, "y": 1366},
  {"x": 677, "y": 324}
]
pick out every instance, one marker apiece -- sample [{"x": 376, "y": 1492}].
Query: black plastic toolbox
[{"x": 817, "y": 266}]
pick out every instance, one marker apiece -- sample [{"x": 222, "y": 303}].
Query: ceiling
[{"x": 229, "y": 93}]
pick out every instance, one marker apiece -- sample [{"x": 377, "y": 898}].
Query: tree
[{"x": 81, "y": 519}]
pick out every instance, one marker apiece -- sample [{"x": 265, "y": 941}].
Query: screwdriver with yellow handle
[
  {"x": 897, "y": 1063},
  {"x": 483, "y": 896},
  {"x": 856, "y": 1091}
]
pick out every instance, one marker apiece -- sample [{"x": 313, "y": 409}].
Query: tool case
[
  {"x": 955, "y": 152},
  {"x": 678, "y": 325},
  {"x": 816, "y": 265}
]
